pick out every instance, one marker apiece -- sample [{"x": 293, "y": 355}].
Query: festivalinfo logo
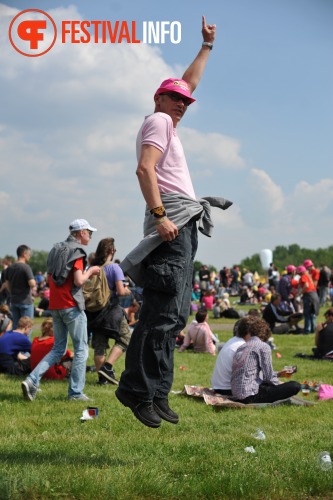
[{"x": 33, "y": 32}]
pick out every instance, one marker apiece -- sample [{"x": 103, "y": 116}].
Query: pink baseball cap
[
  {"x": 290, "y": 268},
  {"x": 175, "y": 85},
  {"x": 301, "y": 269},
  {"x": 308, "y": 263}
]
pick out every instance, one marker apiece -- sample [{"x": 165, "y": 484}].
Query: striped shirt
[{"x": 252, "y": 365}]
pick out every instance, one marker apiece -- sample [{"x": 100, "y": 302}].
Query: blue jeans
[
  {"x": 19, "y": 310},
  {"x": 164, "y": 313},
  {"x": 74, "y": 321},
  {"x": 309, "y": 315},
  {"x": 323, "y": 294}
]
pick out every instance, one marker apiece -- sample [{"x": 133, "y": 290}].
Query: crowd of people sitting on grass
[
  {"x": 277, "y": 302},
  {"x": 295, "y": 293}
]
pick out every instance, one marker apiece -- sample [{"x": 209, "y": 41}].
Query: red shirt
[
  {"x": 61, "y": 296},
  {"x": 42, "y": 346},
  {"x": 315, "y": 274},
  {"x": 306, "y": 278}
]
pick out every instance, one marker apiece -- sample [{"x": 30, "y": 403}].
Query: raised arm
[{"x": 194, "y": 72}]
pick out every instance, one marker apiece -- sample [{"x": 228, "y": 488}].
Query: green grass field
[{"x": 47, "y": 452}]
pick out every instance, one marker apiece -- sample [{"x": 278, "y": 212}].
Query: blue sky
[{"x": 260, "y": 133}]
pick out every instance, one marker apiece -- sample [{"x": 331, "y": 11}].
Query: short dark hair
[
  {"x": 21, "y": 250},
  {"x": 201, "y": 315},
  {"x": 275, "y": 296},
  {"x": 255, "y": 326}
]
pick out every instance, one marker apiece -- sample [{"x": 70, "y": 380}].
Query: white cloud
[
  {"x": 318, "y": 196},
  {"x": 4, "y": 199},
  {"x": 301, "y": 216},
  {"x": 6, "y": 11},
  {"x": 213, "y": 149},
  {"x": 270, "y": 193},
  {"x": 229, "y": 219}
]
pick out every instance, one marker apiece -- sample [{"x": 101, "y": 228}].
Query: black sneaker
[
  {"x": 102, "y": 381},
  {"x": 109, "y": 374},
  {"x": 142, "y": 411},
  {"x": 162, "y": 408},
  {"x": 90, "y": 368}
]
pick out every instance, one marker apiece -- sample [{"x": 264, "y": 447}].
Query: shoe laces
[{"x": 149, "y": 407}]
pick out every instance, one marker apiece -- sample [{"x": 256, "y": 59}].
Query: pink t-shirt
[
  {"x": 208, "y": 301},
  {"x": 172, "y": 171},
  {"x": 200, "y": 335}
]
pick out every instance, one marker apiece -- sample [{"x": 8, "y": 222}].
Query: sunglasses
[{"x": 174, "y": 96}]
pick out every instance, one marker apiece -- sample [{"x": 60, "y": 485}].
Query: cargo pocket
[{"x": 166, "y": 277}]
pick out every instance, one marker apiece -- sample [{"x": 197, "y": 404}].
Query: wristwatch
[{"x": 207, "y": 44}]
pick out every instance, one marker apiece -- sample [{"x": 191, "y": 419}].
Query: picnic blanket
[{"x": 212, "y": 398}]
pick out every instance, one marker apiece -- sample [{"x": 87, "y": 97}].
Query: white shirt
[{"x": 221, "y": 378}]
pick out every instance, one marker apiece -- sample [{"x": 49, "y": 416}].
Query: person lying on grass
[{"x": 253, "y": 379}]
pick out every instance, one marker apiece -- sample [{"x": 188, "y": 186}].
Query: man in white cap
[
  {"x": 66, "y": 265},
  {"x": 163, "y": 262}
]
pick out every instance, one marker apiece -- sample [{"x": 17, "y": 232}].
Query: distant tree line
[
  {"x": 282, "y": 257},
  {"x": 38, "y": 261},
  {"x": 293, "y": 254}
]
